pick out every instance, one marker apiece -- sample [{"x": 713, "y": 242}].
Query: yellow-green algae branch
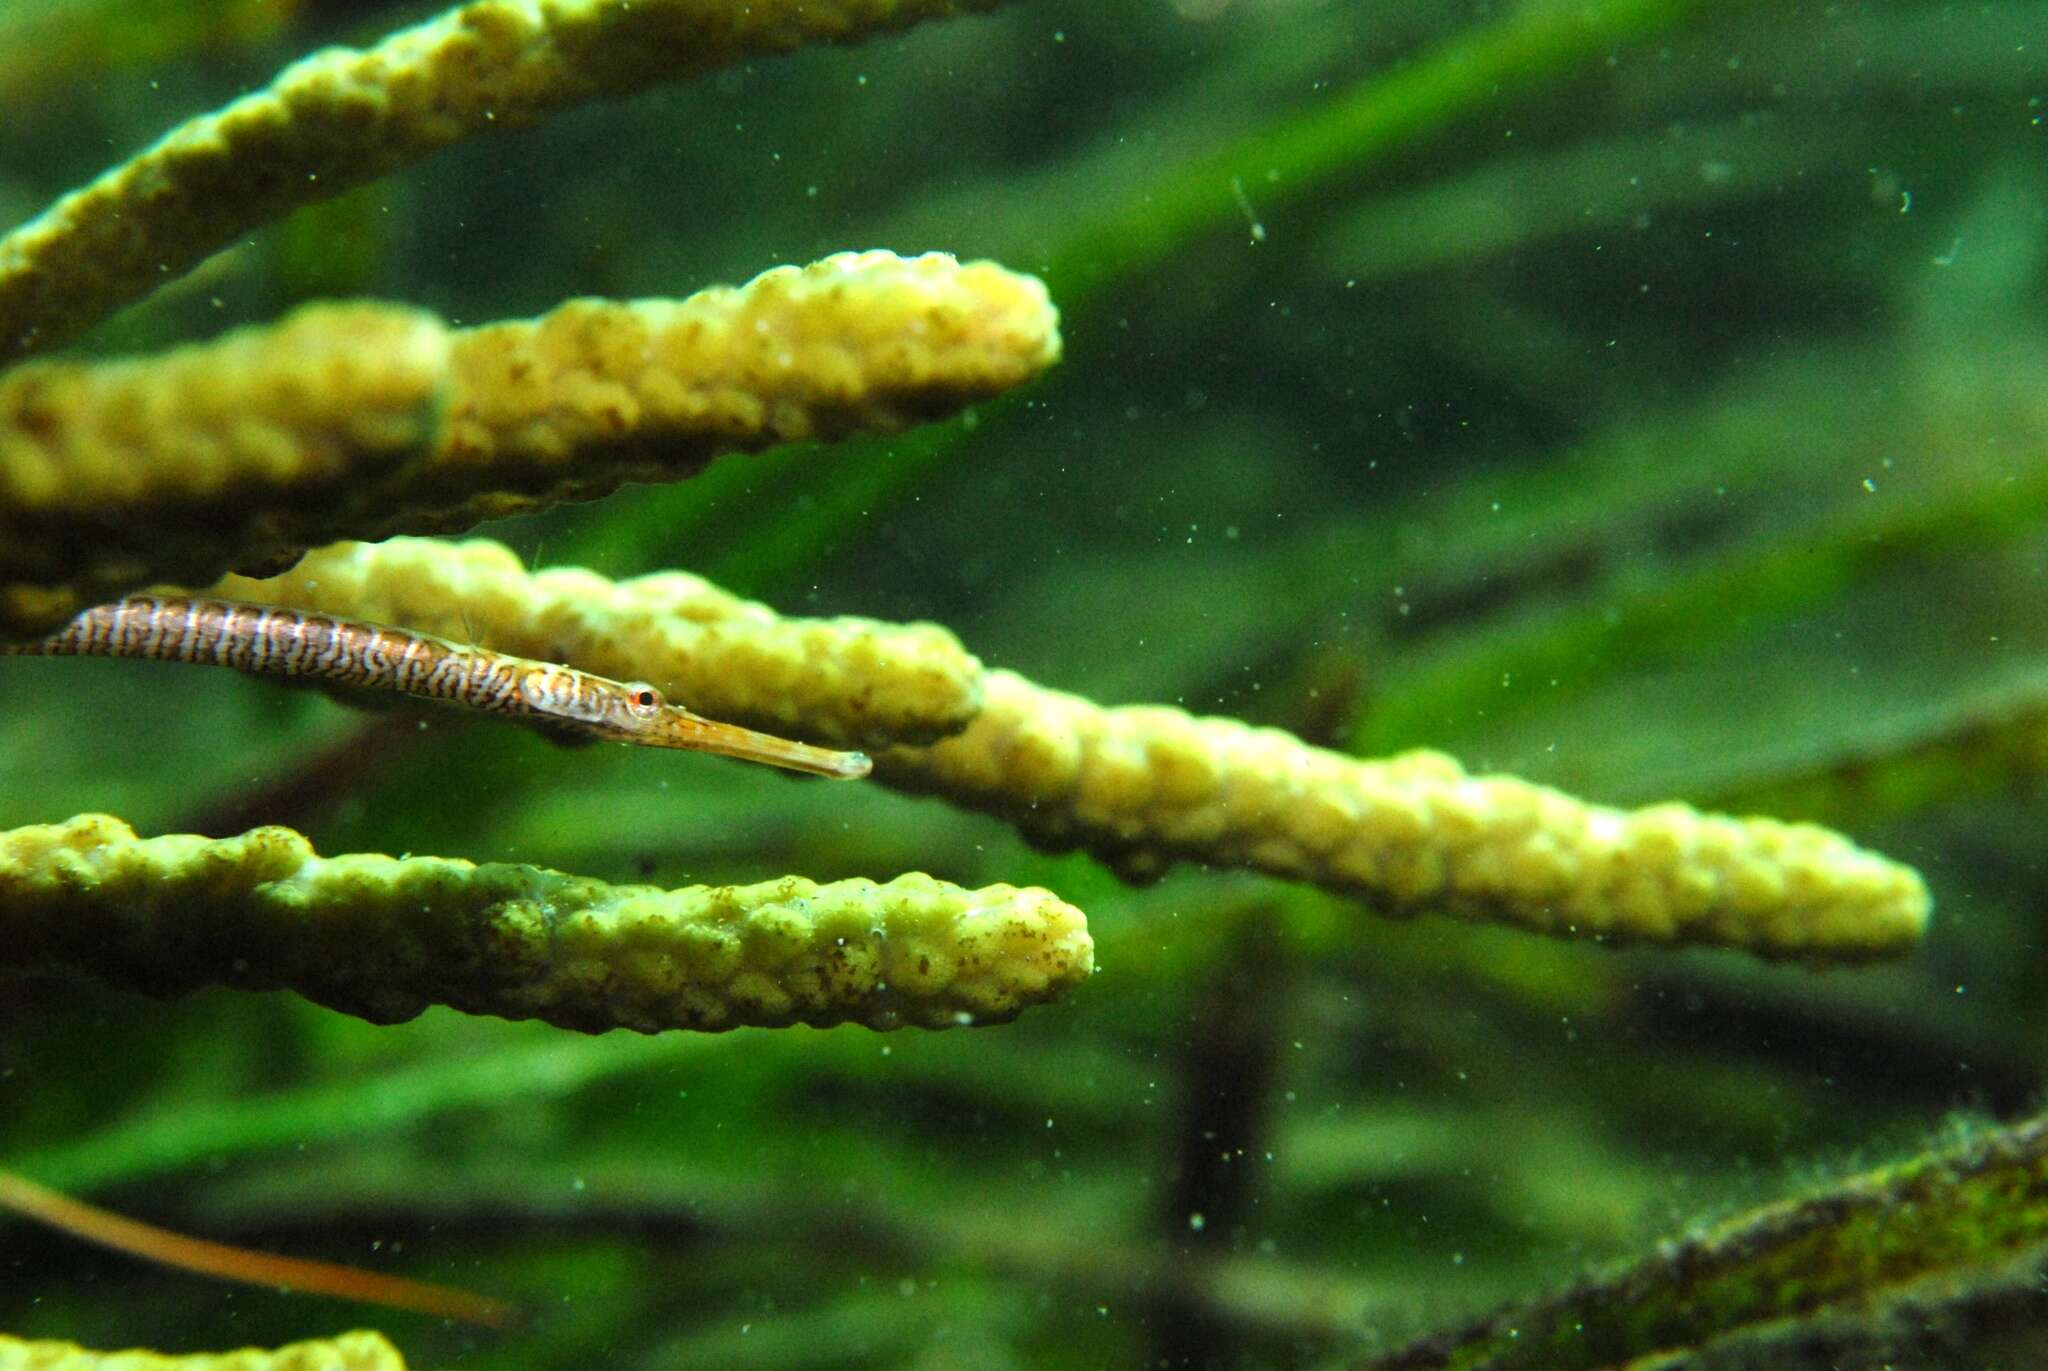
[
  {"x": 847, "y": 681},
  {"x": 1142, "y": 787},
  {"x": 344, "y": 116},
  {"x": 385, "y": 937},
  {"x": 358, "y": 1351},
  {"x": 367, "y": 419}
]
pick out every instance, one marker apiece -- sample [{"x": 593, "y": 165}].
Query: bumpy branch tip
[
  {"x": 357, "y": 1351},
  {"x": 345, "y": 116},
  {"x": 366, "y": 420},
  {"x": 1144, "y": 786},
  {"x": 384, "y": 937}
]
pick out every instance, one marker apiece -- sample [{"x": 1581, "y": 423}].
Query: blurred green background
[{"x": 1642, "y": 396}]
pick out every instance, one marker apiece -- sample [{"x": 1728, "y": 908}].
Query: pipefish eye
[{"x": 643, "y": 699}]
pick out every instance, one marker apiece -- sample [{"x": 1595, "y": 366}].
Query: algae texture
[{"x": 1639, "y": 397}]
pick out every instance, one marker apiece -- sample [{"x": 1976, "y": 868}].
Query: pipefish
[{"x": 268, "y": 641}]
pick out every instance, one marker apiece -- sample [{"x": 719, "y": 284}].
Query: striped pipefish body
[{"x": 268, "y": 641}]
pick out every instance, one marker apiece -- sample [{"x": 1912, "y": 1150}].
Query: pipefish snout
[
  {"x": 267, "y": 641},
  {"x": 635, "y": 712}
]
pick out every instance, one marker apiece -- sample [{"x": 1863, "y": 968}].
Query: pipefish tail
[{"x": 267, "y": 641}]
